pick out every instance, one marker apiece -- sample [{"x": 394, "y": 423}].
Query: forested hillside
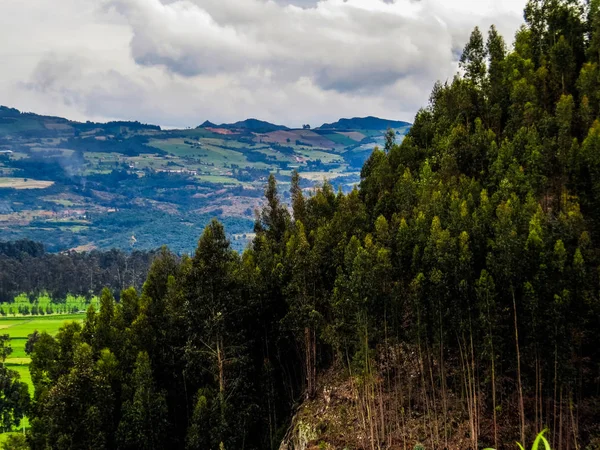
[{"x": 450, "y": 301}]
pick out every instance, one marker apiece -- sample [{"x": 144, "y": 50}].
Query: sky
[{"x": 177, "y": 63}]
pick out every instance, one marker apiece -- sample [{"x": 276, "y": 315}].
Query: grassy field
[
  {"x": 19, "y": 328},
  {"x": 24, "y": 183}
]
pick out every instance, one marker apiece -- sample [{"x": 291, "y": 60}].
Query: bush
[{"x": 15, "y": 441}]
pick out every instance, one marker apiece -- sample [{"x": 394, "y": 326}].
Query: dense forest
[
  {"x": 26, "y": 267},
  {"x": 456, "y": 290}
]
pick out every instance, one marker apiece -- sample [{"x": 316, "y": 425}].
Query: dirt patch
[
  {"x": 357, "y": 411},
  {"x": 58, "y": 126},
  {"x": 290, "y": 137},
  {"x": 278, "y": 137},
  {"x": 233, "y": 207},
  {"x": 223, "y": 131},
  {"x": 83, "y": 248}
]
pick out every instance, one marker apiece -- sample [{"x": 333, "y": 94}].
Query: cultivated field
[
  {"x": 19, "y": 328},
  {"x": 24, "y": 183}
]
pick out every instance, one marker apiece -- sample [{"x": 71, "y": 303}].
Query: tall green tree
[
  {"x": 144, "y": 424},
  {"x": 14, "y": 394},
  {"x": 472, "y": 60}
]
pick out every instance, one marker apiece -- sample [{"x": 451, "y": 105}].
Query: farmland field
[
  {"x": 19, "y": 328},
  {"x": 24, "y": 183}
]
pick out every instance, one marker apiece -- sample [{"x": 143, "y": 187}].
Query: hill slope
[{"x": 83, "y": 185}]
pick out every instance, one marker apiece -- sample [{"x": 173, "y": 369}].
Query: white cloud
[{"x": 178, "y": 62}]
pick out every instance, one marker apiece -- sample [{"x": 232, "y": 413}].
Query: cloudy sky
[{"x": 180, "y": 62}]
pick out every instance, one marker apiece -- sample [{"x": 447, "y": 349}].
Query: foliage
[
  {"x": 14, "y": 394},
  {"x": 15, "y": 441},
  {"x": 540, "y": 439},
  {"x": 36, "y": 273}
]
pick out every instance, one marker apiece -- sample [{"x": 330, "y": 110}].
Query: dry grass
[
  {"x": 24, "y": 183},
  {"x": 84, "y": 248}
]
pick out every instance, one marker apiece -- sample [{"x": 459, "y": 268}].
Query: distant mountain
[
  {"x": 255, "y": 125},
  {"x": 364, "y": 123},
  {"x": 95, "y": 185},
  {"x": 32, "y": 121}
]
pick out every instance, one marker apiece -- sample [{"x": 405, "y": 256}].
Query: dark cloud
[{"x": 341, "y": 46}]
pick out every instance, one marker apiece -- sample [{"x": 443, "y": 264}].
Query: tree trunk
[
  {"x": 519, "y": 385},
  {"x": 220, "y": 364},
  {"x": 493, "y": 361},
  {"x": 308, "y": 344},
  {"x": 555, "y": 389}
]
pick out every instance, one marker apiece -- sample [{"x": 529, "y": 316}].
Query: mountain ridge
[
  {"x": 366, "y": 123},
  {"x": 250, "y": 124}
]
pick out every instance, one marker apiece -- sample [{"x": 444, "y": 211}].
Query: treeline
[
  {"x": 457, "y": 288},
  {"x": 37, "y": 310},
  {"x": 25, "y": 267}
]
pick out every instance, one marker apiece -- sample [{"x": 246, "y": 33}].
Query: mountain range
[{"x": 83, "y": 185}]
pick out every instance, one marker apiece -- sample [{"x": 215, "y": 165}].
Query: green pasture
[
  {"x": 279, "y": 156},
  {"x": 221, "y": 155},
  {"x": 220, "y": 152},
  {"x": 225, "y": 143},
  {"x": 19, "y": 328},
  {"x": 338, "y": 139},
  {"x": 194, "y": 133},
  {"x": 313, "y": 155},
  {"x": 175, "y": 146},
  {"x": 219, "y": 179},
  {"x": 60, "y": 201}
]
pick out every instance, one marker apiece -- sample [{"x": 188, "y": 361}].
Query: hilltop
[
  {"x": 367, "y": 123},
  {"x": 255, "y": 125}
]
